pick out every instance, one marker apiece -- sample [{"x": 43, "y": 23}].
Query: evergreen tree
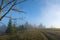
[
  {"x": 41, "y": 26},
  {"x": 10, "y": 28},
  {"x": 21, "y": 28}
]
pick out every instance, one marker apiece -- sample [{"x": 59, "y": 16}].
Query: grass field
[{"x": 35, "y": 34}]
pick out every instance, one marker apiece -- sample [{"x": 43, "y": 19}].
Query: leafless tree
[
  {"x": 13, "y": 3},
  {"x": 2, "y": 23},
  {"x": 15, "y": 19}
]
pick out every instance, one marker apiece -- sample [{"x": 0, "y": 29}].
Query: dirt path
[
  {"x": 55, "y": 35},
  {"x": 49, "y": 36}
]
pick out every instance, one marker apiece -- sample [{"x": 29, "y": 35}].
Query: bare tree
[
  {"x": 5, "y": 3},
  {"x": 2, "y": 24},
  {"x": 14, "y": 19}
]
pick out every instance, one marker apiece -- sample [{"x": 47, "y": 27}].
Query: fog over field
[
  {"x": 29, "y": 19},
  {"x": 50, "y": 13}
]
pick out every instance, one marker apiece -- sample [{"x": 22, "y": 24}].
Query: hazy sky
[
  {"x": 46, "y": 12},
  {"x": 51, "y": 13}
]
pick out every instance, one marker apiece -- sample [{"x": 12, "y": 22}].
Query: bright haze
[
  {"x": 46, "y": 12},
  {"x": 51, "y": 13}
]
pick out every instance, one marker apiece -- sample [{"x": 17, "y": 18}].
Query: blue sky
[{"x": 46, "y": 12}]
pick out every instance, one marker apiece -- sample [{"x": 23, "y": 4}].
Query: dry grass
[
  {"x": 27, "y": 35},
  {"x": 34, "y": 34}
]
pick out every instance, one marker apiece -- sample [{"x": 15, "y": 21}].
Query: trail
[{"x": 50, "y": 36}]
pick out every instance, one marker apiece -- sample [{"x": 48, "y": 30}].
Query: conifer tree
[{"x": 10, "y": 28}]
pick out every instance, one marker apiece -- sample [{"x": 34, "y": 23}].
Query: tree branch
[
  {"x": 2, "y": 3},
  {"x": 20, "y": 2},
  {"x": 8, "y": 3},
  {"x": 10, "y": 7},
  {"x": 14, "y": 9},
  {"x": 7, "y": 11}
]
